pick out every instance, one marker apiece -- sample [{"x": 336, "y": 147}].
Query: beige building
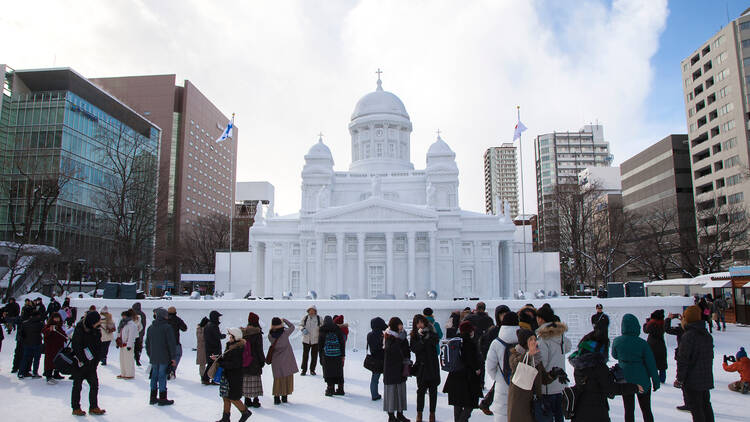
[
  {"x": 715, "y": 81},
  {"x": 501, "y": 179}
]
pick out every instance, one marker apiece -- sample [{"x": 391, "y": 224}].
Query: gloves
[
  {"x": 560, "y": 374},
  {"x": 677, "y": 384},
  {"x": 305, "y": 332},
  {"x": 129, "y": 349},
  {"x": 656, "y": 386}
]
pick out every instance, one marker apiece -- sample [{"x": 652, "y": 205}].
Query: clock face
[{"x": 379, "y": 132}]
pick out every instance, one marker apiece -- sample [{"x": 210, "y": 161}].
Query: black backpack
[
  {"x": 505, "y": 365},
  {"x": 66, "y": 361},
  {"x": 570, "y": 396}
]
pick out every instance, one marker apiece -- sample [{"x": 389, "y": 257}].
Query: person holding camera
[
  {"x": 676, "y": 331},
  {"x": 86, "y": 344},
  {"x": 741, "y": 364}
]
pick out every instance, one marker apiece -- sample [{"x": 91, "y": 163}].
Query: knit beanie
[
  {"x": 427, "y": 312},
  {"x": 252, "y": 319},
  {"x": 511, "y": 319},
  {"x": 523, "y": 337},
  {"x": 465, "y": 327},
  {"x": 275, "y": 321},
  {"x": 235, "y": 332},
  {"x": 172, "y": 310},
  {"x": 338, "y": 319},
  {"x": 692, "y": 314},
  {"x": 741, "y": 354}
]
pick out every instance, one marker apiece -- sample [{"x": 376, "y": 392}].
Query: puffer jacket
[
  {"x": 494, "y": 368},
  {"x": 161, "y": 346},
  {"x": 742, "y": 366},
  {"x": 310, "y": 328},
  {"x": 695, "y": 358},
  {"x": 553, "y": 346},
  {"x": 107, "y": 327},
  {"x": 635, "y": 356}
]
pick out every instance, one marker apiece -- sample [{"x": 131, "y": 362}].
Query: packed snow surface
[{"x": 33, "y": 399}]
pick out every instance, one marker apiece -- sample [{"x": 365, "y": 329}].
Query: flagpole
[
  {"x": 523, "y": 203},
  {"x": 231, "y": 217}
]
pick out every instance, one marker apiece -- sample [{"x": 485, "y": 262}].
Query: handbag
[
  {"x": 65, "y": 360},
  {"x": 373, "y": 365},
  {"x": 213, "y": 369},
  {"x": 118, "y": 342},
  {"x": 525, "y": 374},
  {"x": 406, "y": 369},
  {"x": 269, "y": 355}
]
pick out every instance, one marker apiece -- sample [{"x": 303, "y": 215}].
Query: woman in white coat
[
  {"x": 128, "y": 332},
  {"x": 497, "y": 367}
]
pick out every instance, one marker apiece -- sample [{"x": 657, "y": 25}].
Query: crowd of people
[{"x": 517, "y": 357}]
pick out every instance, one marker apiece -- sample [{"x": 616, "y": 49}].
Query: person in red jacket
[
  {"x": 54, "y": 340},
  {"x": 741, "y": 365}
]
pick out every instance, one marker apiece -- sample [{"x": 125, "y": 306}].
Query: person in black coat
[
  {"x": 31, "y": 337},
  {"x": 138, "y": 349},
  {"x": 676, "y": 331},
  {"x": 464, "y": 386},
  {"x": 695, "y": 365},
  {"x": 654, "y": 327},
  {"x": 230, "y": 388},
  {"x": 12, "y": 311},
  {"x": 161, "y": 348},
  {"x": 375, "y": 349},
  {"x": 332, "y": 354},
  {"x": 600, "y": 320},
  {"x": 177, "y": 325},
  {"x": 252, "y": 384},
  {"x": 86, "y": 344},
  {"x": 53, "y": 308},
  {"x": 423, "y": 343},
  {"x": 593, "y": 381},
  {"x": 395, "y": 354},
  {"x": 451, "y": 327},
  {"x": 212, "y": 337}
]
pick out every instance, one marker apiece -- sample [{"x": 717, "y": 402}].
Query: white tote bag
[{"x": 525, "y": 374}]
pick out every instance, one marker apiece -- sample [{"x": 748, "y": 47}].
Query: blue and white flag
[{"x": 227, "y": 132}]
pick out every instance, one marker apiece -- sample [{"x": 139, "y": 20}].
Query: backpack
[
  {"x": 505, "y": 368},
  {"x": 247, "y": 355},
  {"x": 569, "y": 397},
  {"x": 332, "y": 347},
  {"x": 450, "y": 354},
  {"x": 66, "y": 361}
]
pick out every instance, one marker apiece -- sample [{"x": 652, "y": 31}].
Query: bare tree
[
  {"x": 722, "y": 231},
  {"x": 574, "y": 216},
  {"x": 32, "y": 189},
  {"x": 209, "y": 234},
  {"x": 657, "y": 245}
]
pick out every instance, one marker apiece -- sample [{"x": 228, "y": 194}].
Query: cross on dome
[
  {"x": 380, "y": 83},
  {"x": 438, "y": 133},
  {"x": 320, "y": 137}
]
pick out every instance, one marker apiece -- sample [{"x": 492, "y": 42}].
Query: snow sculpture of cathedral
[{"x": 381, "y": 228}]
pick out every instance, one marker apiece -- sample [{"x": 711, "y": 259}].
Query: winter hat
[
  {"x": 525, "y": 320},
  {"x": 338, "y": 319},
  {"x": 105, "y": 309},
  {"x": 546, "y": 313},
  {"x": 465, "y": 327},
  {"x": 92, "y": 318},
  {"x": 172, "y": 310},
  {"x": 741, "y": 354},
  {"x": 510, "y": 319},
  {"x": 252, "y": 318},
  {"x": 275, "y": 322},
  {"x": 314, "y": 308},
  {"x": 427, "y": 312},
  {"x": 235, "y": 332},
  {"x": 523, "y": 337},
  {"x": 658, "y": 314},
  {"x": 692, "y": 314}
]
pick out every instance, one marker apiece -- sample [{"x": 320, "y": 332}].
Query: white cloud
[{"x": 291, "y": 69}]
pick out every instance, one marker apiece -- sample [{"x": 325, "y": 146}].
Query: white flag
[
  {"x": 227, "y": 132},
  {"x": 519, "y": 128}
]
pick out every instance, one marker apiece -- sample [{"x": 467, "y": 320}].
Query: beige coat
[
  {"x": 200, "y": 354},
  {"x": 519, "y": 400},
  {"x": 107, "y": 327}
]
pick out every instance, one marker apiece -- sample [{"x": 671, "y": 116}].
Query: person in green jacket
[
  {"x": 639, "y": 367},
  {"x": 427, "y": 312}
]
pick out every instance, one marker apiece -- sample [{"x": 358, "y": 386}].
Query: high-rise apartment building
[
  {"x": 657, "y": 194},
  {"x": 560, "y": 156},
  {"x": 196, "y": 174},
  {"x": 65, "y": 146},
  {"x": 716, "y": 77},
  {"x": 501, "y": 179}
]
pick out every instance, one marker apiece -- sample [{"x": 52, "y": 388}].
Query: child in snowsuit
[{"x": 741, "y": 365}]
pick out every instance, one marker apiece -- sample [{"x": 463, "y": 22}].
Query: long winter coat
[
  {"x": 519, "y": 400},
  {"x": 634, "y": 355},
  {"x": 425, "y": 346},
  {"x": 553, "y": 346},
  {"x": 200, "y": 354},
  {"x": 463, "y": 386},
  {"x": 395, "y": 351},
  {"x": 333, "y": 366},
  {"x": 695, "y": 358},
  {"x": 495, "y": 366},
  {"x": 107, "y": 327},
  {"x": 655, "y": 330},
  {"x": 310, "y": 324},
  {"x": 54, "y": 340},
  {"x": 676, "y": 331},
  {"x": 284, "y": 363},
  {"x": 161, "y": 346},
  {"x": 254, "y": 337},
  {"x": 129, "y": 333},
  {"x": 213, "y": 335},
  {"x": 231, "y": 362},
  {"x": 177, "y": 325},
  {"x": 375, "y": 337},
  {"x": 595, "y": 385}
]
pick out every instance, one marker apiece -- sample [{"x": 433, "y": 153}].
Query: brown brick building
[{"x": 196, "y": 175}]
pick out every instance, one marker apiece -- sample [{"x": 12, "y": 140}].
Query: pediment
[{"x": 376, "y": 209}]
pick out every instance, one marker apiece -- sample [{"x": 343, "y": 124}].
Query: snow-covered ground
[{"x": 33, "y": 399}]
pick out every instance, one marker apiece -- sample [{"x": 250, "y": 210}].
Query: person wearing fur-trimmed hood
[
  {"x": 230, "y": 387},
  {"x": 283, "y": 363},
  {"x": 553, "y": 345},
  {"x": 252, "y": 384}
]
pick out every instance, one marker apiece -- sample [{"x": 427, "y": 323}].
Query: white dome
[
  {"x": 440, "y": 148},
  {"x": 380, "y": 102},
  {"x": 319, "y": 150}
]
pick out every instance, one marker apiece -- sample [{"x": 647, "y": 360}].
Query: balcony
[
  {"x": 702, "y": 155},
  {"x": 702, "y": 172}
]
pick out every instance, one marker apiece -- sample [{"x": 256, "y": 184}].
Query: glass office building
[{"x": 58, "y": 128}]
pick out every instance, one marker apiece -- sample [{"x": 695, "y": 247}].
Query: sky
[{"x": 292, "y": 69}]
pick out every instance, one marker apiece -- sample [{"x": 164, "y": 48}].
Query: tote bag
[{"x": 525, "y": 374}]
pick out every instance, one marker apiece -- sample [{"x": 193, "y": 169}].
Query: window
[
  {"x": 376, "y": 280},
  {"x": 726, "y": 108},
  {"x": 733, "y": 180},
  {"x": 421, "y": 245},
  {"x": 486, "y": 249},
  {"x": 730, "y": 143},
  {"x": 732, "y": 161},
  {"x": 467, "y": 281},
  {"x": 379, "y": 149},
  {"x": 744, "y": 25},
  {"x": 722, "y": 75},
  {"x": 295, "y": 249},
  {"x": 468, "y": 249},
  {"x": 723, "y": 92},
  {"x": 727, "y": 126},
  {"x": 445, "y": 247},
  {"x": 736, "y": 198},
  {"x": 745, "y": 43},
  {"x": 294, "y": 281},
  {"x": 722, "y": 58}
]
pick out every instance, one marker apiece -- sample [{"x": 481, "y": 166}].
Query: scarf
[
  {"x": 123, "y": 322},
  {"x": 277, "y": 333}
]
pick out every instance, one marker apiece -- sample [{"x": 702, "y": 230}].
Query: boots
[
  {"x": 245, "y": 415},
  {"x": 153, "y": 397},
  {"x": 339, "y": 391},
  {"x": 163, "y": 401},
  {"x": 329, "y": 390},
  {"x": 78, "y": 412},
  {"x": 419, "y": 417},
  {"x": 432, "y": 416},
  {"x": 255, "y": 403},
  {"x": 276, "y": 400},
  {"x": 97, "y": 411},
  {"x": 392, "y": 417},
  {"x": 248, "y": 402},
  {"x": 283, "y": 399},
  {"x": 224, "y": 418},
  {"x": 401, "y": 418}
]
